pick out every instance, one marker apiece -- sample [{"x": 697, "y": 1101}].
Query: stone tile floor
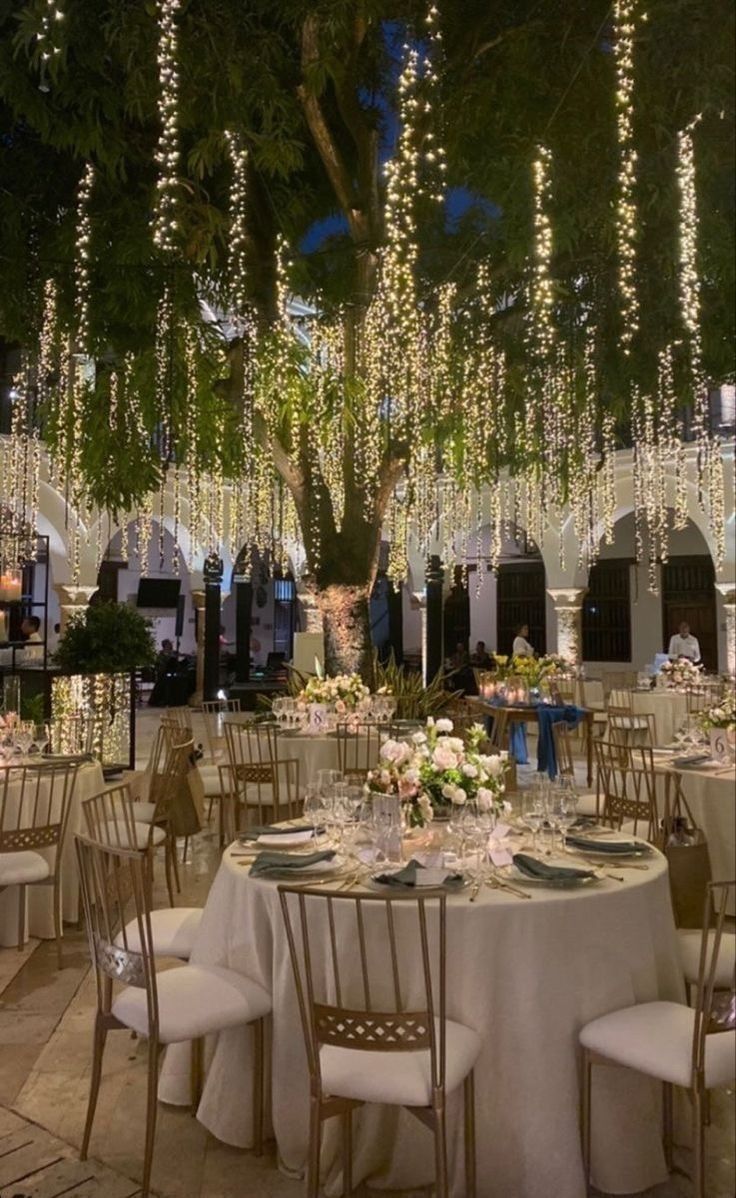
[{"x": 45, "y": 1056}]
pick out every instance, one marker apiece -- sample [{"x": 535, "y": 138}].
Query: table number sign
[
  {"x": 317, "y": 718},
  {"x": 720, "y": 750}
]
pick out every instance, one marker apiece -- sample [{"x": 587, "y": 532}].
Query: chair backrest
[
  {"x": 115, "y": 888},
  {"x": 369, "y": 972},
  {"x": 703, "y": 695},
  {"x": 109, "y": 817},
  {"x": 562, "y": 736},
  {"x": 499, "y": 732},
  {"x": 627, "y": 786},
  {"x": 266, "y": 786},
  {"x": 166, "y": 782},
  {"x": 629, "y": 727},
  {"x": 617, "y": 679},
  {"x": 358, "y": 747},
  {"x": 180, "y": 716},
  {"x": 213, "y": 711},
  {"x": 35, "y": 800},
  {"x": 713, "y": 1015}
]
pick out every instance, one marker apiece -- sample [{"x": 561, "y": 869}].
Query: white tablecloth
[
  {"x": 711, "y": 797},
  {"x": 526, "y": 975},
  {"x": 40, "y": 906},
  {"x": 668, "y": 707}
]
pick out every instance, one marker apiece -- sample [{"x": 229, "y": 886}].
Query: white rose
[
  {"x": 389, "y": 749},
  {"x": 485, "y": 798},
  {"x": 448, "y": 790},
  {"x": 444, "y": 758},
  {"x": 444, "y": 725},
  {"x": 419, "y": 738},
  {"x": 426, "y": 808},
  {"x": 496, "y": 767},
  {"x": 456, "y": 744},
  {"x": 469, "y": 770}
]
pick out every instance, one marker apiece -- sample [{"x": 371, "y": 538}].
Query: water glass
[
  {"x": 23, "y": 737},
  {"x": 533, "y": 813},
  {"x": 41, "y": 738}
]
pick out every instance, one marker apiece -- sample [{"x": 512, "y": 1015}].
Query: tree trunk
[{"x": 347, "y": 631}]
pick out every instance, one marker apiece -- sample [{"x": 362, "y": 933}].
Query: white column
[
  {"x": 195, "y": 700},
  {"x": 72, "y": 599},
  {"x": 728, "y": 592},
  {"x": 568, "y": 603}
]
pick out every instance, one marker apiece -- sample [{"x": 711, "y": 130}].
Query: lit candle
[
  {"x": 3, "y": 628},
  {"x": 10, "y": 587}
]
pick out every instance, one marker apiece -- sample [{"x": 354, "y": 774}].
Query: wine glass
[
  {"x": 41, "y": 738},
  {"x": 24, "y": 737},
  {"x": 533, "y": 813}
]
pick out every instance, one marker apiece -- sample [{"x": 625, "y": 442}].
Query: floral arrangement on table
[
  {"x": 343, "y": 693},
  {"x": 503, "y": 662},
  {"x": 680, "y": 674},
  {"x": 721, "y": 715},
  {"x": 433, "y": 771}
]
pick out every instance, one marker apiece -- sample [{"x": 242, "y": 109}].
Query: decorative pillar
[
  {"x": 72, "y": 600},
  {"x": 396, "y": 621},
  {"x": 433, "y": 633},
  {"x": 198, "y": 601},
  {"x": 212, "y": 616},
  {"x": 568, "y": 603},
  {"x": 728, "y": 593},
  {"x": 243, "y": 606}
]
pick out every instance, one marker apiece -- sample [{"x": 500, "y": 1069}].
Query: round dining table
[
  {"x": 39, "y": 899},
  {"x": 526, "y": 974},
  {"x": 710, "y": 794}
]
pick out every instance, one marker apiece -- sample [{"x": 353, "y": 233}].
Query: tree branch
[{"x": 337, "y": 171}]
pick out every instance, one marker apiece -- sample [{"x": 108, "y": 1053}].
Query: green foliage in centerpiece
[
  {"x": 414, "y": 700},
  {"x": 107, "y": 638},
  {"x": 433, "y": 772}
]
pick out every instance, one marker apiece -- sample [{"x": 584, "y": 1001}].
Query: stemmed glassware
[
  {"x": 24, "y": 737},
  {"x": 41, "y": 738},
  {"x": 533, "y": 813}
]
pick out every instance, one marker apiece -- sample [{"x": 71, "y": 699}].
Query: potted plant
[{"x": 92, "y": 698}]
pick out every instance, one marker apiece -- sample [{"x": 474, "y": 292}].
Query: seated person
[{"x": 482, "y": 659}]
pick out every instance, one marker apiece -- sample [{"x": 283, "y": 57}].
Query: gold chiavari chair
[
  {"x": 626, "y": 785},
  {"x": 181, "y": 717},
  {"x": 35, "y": 801},
  {"x": 462, "y": 715},
  {"x": 617, "y": 680},
  {"x": 562, "y": 733},
  {"x": 173, "y": 759},
  {"x": 259, "y": 787},
  {"x": 109, "y": 820},
  {"x": 677, "y": 1045},
  {"x": 358, "y": 746},
  {"x": 182, "y": 1004},
  {"x": 214, "y": 712},
  {"x": 353, "y": 979},
  {"x": 626, "y": 725}
]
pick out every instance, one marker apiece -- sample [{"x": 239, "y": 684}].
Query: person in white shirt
[
  {"x": 684, "y": 644},
  {"x": 521, "y": 646}
]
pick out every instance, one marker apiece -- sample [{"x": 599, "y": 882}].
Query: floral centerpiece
[
  {"x": 680, "y": 674},
  {"x": 433, "y": 771},
  {"x": 345, "y": 694}
]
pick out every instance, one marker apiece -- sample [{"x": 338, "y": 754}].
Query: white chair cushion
[
  {"x": 117, "y": 835},
  {"x": 144, "y": 812},
  {"x": 690, "y": 939},
  {"x": 20, "y": 869},
  {"x": 587, "y": 804},
  {"x": 173, "y": 929},
  {"x": 193, "y": 1001},
  {"x": 401, "y": 1078},
  {"x": 656, "y": 1038}
]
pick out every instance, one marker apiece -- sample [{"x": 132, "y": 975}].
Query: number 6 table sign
[{"x": 719, "y": 746}]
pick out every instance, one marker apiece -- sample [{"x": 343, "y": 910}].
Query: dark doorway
[
  {"x": 522, "y": 599},
  {"x": 689, "y": 593},
  {"x": 457, "y": 613},
  {"x": 607, "y": 612}
]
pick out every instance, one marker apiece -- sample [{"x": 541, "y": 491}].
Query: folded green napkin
[
  {"x": 696, "y": 759},
  {"x": 531, "y": 868},
  {"x": 597, "y": 844},
  {"x": 271, "y": 830},
  {"x": 408, "y": 877},
  {"x": 278, "y": 863}
]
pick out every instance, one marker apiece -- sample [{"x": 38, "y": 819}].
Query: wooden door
[
  {"x": 521, "y": 599},
  {"x": 689, "y": 593}
]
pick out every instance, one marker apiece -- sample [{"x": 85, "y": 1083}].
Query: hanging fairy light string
[
  {"x": 626, "y": 214},
  {"x": 83, "y": 239},
  {"x": 689, "y": 281},
  {"x": 48, "y": 39},
  {"x": 167, "y": 150}
]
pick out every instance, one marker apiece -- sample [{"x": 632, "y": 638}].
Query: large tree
[{"x": 429, "y": 347}]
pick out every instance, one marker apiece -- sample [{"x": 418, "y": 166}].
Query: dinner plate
[
  {"x": 513, "y": 874},
  {"x": 284, "y": 840},
  {"x": 319, "y": 869},
  {"x": 615, "y": 847}
]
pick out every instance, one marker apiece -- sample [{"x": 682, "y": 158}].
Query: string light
[
  {"x": 167, "y": 151},
  {"x": 626, "y": 211},
  {"x": 82, "y": 256}
]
